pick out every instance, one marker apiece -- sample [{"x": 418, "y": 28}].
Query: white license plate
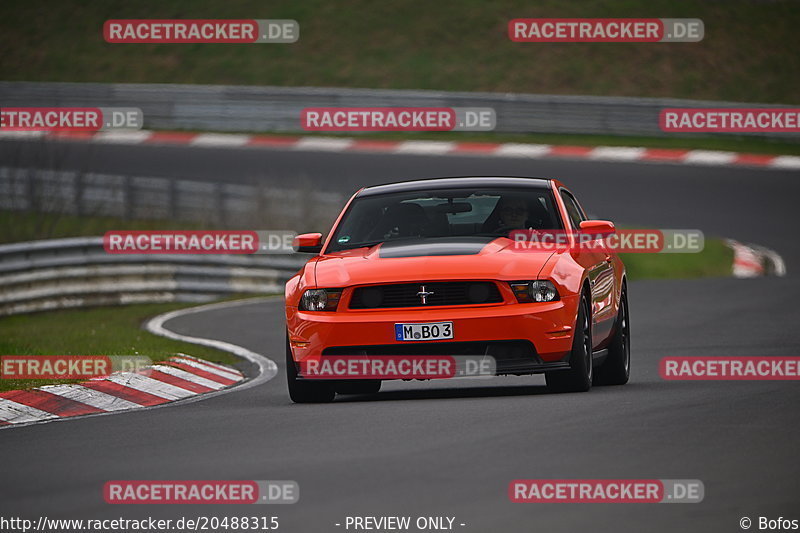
[{"x": 429, "y": 331}]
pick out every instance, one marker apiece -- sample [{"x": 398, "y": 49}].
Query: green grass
[
  {"x": 749, "y": 52},
  {"x": 93, "y": 331},
  {"x": 17, "y": 226},
  {"x": 716, "y": 260}
]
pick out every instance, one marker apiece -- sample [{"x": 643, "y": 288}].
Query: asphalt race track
[
  {"x": 751, "y": 205},
  {"x": 451, "y": 448}
]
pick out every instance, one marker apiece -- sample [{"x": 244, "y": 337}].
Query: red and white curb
[
  {"x": 486, "y": 149},
  {"x": 180, "y": 379},
  {"x": 751, "y": 261}
]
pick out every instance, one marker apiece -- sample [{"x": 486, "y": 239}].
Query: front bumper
[{"x": 548, "y": 327}]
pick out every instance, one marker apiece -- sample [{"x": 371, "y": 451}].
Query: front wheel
[
  {"x": 616, "y": 369},
  {"x": 579, "y": 376},
  {"x": 305, "y": 391}
]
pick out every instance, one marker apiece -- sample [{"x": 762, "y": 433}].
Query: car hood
[{"x": 450, "y": 258}]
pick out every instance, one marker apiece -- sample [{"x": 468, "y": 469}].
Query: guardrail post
[
  {"x": 173, "y": 199},
  {"x": 30, "y": 192},
  {"x": 78, "y": 193},
  {"x": 221, "y": 205},
  {"x": 261, "y": 203},
  {"x": 128, "y": 197}
]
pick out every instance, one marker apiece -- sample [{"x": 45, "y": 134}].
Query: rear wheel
[
  {"x": 305, "y": 391},
  {"x": 579, "y": 376},
  {"x": 617, "y": 367}
]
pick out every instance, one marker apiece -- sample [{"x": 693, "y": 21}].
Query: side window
[{"x": 573, "y": 210}]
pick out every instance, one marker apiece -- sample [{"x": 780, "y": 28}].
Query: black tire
[
  {"x": 358, "y": 386},
  {"x": 305, "y": 391},
  {"x": 616, "y": 369},
  {"x": 579, "y": 376}
]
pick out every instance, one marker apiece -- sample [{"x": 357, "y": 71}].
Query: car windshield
[{"x": 428, "y": 214}]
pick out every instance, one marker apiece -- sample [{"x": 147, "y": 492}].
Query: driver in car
[{"x": 512, "y": 213}]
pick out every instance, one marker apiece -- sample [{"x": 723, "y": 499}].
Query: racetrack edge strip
[
  {"x": 78, "y": 395},
  {"x": 424, "y": 147}
]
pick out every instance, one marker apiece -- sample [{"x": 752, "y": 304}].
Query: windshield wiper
[{"x": 368, "y": 244}]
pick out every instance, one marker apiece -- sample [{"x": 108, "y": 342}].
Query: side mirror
[
  {"x": 601, "y": 227},
  {"x": 310, "y": 243}
]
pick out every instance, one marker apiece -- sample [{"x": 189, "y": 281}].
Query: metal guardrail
[
  {"x": 77, "y": 272},
  {"x": 261, "y": 109},
  {"x": 142, "y": 197}
]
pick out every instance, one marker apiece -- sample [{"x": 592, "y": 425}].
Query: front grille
[{"x": 443, "y": 293}]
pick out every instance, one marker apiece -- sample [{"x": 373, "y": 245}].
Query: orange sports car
[{"x": 436, "y": 267}]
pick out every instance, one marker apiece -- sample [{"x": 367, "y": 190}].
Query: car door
[{"x": 600, "y": 267}]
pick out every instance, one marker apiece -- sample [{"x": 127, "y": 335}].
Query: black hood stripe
[{"x": 434, "y": 247}]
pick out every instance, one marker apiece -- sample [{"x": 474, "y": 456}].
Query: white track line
[
  {"x": 22, "y": 134},
  {"x": 325, "y": 144},
  {"x": 223, "y": 140},
  {"x": 778, "y": 264},
  {"x": 122, "y": 137},
  {"x": 617, "y": 153},
  {"x": 523, "y": 150},
  {"x": 786, "y": 161},
  {"x": 710, "y": 157},
  {"x": 425, "y": 147},
  {"x": 267, "y": 369}
]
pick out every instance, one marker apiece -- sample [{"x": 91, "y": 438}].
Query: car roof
[{"x": 456, "y": 183}]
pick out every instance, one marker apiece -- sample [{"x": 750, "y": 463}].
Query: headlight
[
  {"x": 320, "y": 300},
  {"x": 542, "y": 291},
  {"x": 539, "y": 290}
]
